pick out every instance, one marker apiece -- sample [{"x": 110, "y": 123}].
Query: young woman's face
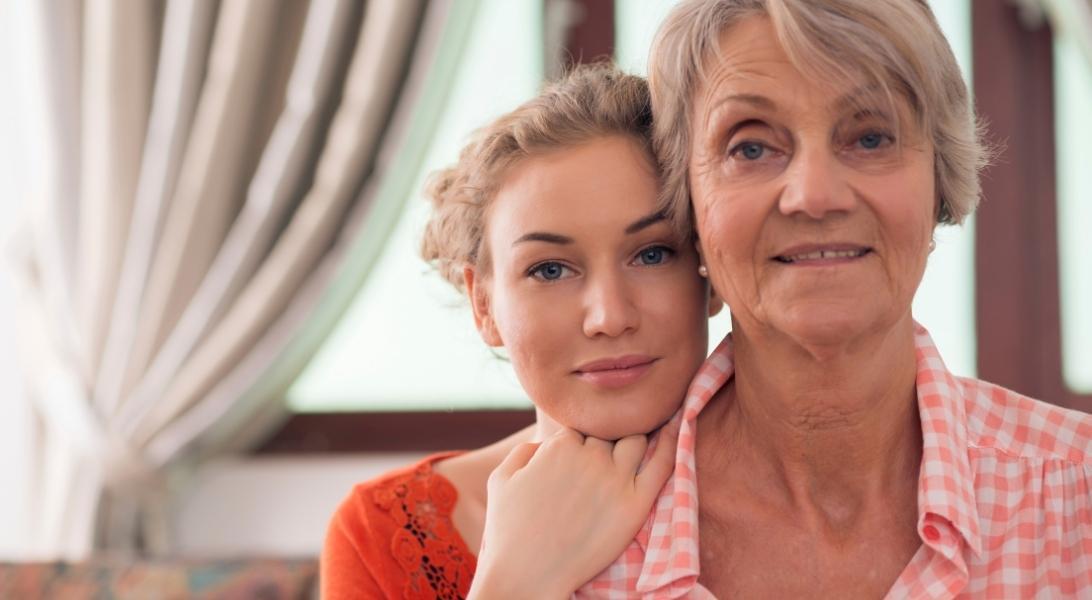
[{"x": 596, "y": 300}]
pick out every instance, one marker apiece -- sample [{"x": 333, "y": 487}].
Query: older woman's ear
[
  {"x": 479, "y": 303},
  {"x": 715, "y": 302}
]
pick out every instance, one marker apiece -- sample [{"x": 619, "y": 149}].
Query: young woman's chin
[{"x": 613, "y": 422}]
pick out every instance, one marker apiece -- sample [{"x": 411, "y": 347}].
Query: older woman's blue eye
[
  {"x": 871, "y": 141},
  {"x": 751, "y": 150}
]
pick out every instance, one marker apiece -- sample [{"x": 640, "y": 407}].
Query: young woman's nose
[
  {"x": 816, "y": 185},
  {"x": 609, "y": 307}
]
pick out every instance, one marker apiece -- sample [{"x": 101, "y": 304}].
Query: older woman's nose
[
  {"x": 816, "y": 186},
  {"x": 609, "y": 308}
]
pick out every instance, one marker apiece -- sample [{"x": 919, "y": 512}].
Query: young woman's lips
[{"x": 613, "y": 373}]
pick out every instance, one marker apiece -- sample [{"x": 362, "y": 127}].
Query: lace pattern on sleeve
[{"x": 427, "y": 547}]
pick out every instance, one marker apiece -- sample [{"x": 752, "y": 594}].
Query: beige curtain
[
  {"x": 1072, "y": 18},
  {"x": 221, "y": 177}
]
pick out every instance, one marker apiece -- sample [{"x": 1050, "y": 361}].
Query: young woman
[{"x": 549, "y": 224}]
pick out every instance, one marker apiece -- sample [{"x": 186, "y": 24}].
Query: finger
[
  {"x": 598, "y": 446},
  {"x": 628, "y": 453},
  {"x": 565, "y": 437},
  {"x": 658, "y": 468},
  {"x": 562, "y": 441},
  {"x": 517, "y": 458}
]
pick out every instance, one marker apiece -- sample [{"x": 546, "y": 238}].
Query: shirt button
[{"x": 931, "y": 533}]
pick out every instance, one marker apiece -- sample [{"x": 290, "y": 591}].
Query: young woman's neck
[{"x": 544, "y": 426}]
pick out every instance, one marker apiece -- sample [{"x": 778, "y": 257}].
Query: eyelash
[
  {"x": 535, "y": 272},
  {"x": 668, "y": 251},
  {"x": 738, "y": 148},
  {"x": 886, "y": 139}
]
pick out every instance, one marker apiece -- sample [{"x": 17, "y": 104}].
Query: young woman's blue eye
[
  {"x": 548, "y": 271},
  {"x": 654, "y": 255}
]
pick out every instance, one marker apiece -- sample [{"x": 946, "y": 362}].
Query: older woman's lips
[
  {"x": 618, "y": 372},
  {"x": 822, "y": 256}
]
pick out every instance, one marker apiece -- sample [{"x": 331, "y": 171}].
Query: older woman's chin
[{"x": 836, "y": 325}]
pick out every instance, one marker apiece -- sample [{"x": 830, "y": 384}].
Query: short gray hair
[{"x": 894, "y": 44}]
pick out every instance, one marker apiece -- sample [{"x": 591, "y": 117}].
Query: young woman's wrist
[{"x": 503, "y": 586}]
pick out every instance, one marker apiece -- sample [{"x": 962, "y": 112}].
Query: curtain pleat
[
  {"x": 316, "y": 84},
  {"x": 236, "y": 412},
  {"x": 210, "y": 168},
  {"x": 187, "y": 30},
  {"x": 213, "y": 172},
  {"x": 120, "y": 46},
  {"x": 54, "y": 217},
  {"x": 378, "y": 61},
  {"x": 66, "y": 438}
]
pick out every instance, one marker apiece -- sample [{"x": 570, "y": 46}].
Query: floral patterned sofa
[{"x": 162, "y": 580}]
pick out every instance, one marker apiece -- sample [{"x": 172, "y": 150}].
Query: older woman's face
[{"x": 813, "y": 221}]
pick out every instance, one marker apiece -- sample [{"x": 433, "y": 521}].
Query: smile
[{"x": 824, "y": 255}]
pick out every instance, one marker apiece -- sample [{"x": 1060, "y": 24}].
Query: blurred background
[{"x": 213, "y": 319}]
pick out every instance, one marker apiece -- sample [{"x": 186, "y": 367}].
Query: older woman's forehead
[
  {"x": 751, "y": 67},
  {"x": 771, "y": 90}
]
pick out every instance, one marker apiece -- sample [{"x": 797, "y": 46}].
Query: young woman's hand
[{"x": 561, "y": 511}]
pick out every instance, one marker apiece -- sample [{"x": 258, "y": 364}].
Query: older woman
[{"x": 816, "y": 145}]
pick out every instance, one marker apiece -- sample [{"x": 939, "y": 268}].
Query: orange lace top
[{"x": 393, "y": 538}]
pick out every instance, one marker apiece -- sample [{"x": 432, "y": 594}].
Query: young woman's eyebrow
[
  {"x": 541, "y": 236},
  {"x": 646, "y": 221},
  {"x": 554, "y": 238}
]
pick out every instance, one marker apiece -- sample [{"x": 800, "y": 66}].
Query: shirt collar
[
  {"x": 945, "y": 484},
  {"x": 669, "y": 539},
  {"x": 946, "y": 481}
]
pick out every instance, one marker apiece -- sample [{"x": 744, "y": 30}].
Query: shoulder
[
  {"x": 381, "y": 505},
  {"x": 469, "y": 471},
  {"x": 1007, "y": 423},
  {"x": 375, "y": 537}
]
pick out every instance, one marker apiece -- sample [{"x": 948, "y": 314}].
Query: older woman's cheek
[{"x": 727, "y": 241}]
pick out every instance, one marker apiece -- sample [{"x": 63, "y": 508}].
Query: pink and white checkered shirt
[{"x": 1004, "y": 497}]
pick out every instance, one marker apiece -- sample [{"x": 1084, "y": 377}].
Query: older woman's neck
[{"x": 829, "y": 426}]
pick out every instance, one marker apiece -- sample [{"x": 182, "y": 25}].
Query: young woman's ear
[{"x": 479, "y": 303}]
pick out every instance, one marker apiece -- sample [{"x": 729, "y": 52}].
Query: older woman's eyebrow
[
  {"x": 756, "y": 100},
  {"x": 541, "y": 236},
  {"x": 865, "y": 101},
  {"x": 646, "y": 221},
  {"x": 871, "y": 113}
]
